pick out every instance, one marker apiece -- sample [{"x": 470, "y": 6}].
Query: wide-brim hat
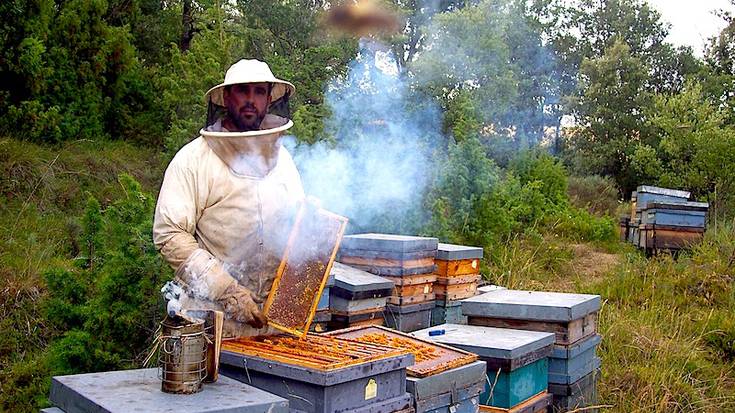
[{"x": 250, "y": 71}]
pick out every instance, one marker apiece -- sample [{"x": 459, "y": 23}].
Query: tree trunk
[{"x": 187, "y": 23}]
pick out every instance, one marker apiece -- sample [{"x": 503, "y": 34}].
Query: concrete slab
[
  {"x": 353, "y": 279},
  {"x": 388, "y": 242},
  {"x": 489, "y": 342},
  {"x": 128, "y": 391},
  {"x": 531, "y": 305},
  {"x": 451, "y": 252}
]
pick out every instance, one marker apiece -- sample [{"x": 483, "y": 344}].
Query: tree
[
  {"x": 610, "y": 109},
  {"x": 693, "y": 146},
  {"x": 719, "y": 82}
]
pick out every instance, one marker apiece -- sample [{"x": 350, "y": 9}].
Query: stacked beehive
[
  {"x": 573, "y": 365},
  {"x": 458, "y": 275},
  {"x": 408, "y": 261},
  {"x": 517, "y": 364},
  {"x": 357, "y": 297},
  {"x": 663, "y": 219}
]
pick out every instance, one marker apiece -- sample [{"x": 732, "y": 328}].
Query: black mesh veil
[{"x": 279, "y": 107}]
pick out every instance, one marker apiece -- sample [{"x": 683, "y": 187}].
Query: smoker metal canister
[{"x": 182, "y": 356}]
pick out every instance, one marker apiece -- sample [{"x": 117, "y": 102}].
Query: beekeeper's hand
[{"x": 239, "y": 305}]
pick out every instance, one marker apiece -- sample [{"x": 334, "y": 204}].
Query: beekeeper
[{"x": 228, "y": 199}]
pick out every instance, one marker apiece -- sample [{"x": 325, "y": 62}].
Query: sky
[{"x": 692, "y": 21}]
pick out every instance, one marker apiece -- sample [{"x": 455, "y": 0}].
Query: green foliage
[
  {"x": 75, "y": 76},
  {"x": 581, "y": 225},
  {"x": 115, "y": 320},
  {"x": 104, "y": 312},
  {"x": 475, "y": 202},
  {"x": 596, "y": 194},
  {"x": 612, "y": 101}
]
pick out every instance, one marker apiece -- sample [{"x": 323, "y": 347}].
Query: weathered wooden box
[
  {"x": 646, "y": 194},
  {"x": 571, "y": 317},
  {"x": 340, "y": 321},
  {"x": 456, "y": 390},
  {"x": 653, "y": 237},
  {"x": 365, "y": 387},
  {"x": 339, "y": 305},
  {"x": 580, "y": 394},
  {"x": 576, "y": 375},
  {"x": 688, "y": 214},
  {"x": 537, "y": 404},
  {"x": 447, "y": 312},
  {"x": 443, "y": 379},
  {"x": 566, "y": 360},
  {"x": 408, "y": 318},
  {"x": 517, "y": 360},
  {"x": 140, "y": 391}
]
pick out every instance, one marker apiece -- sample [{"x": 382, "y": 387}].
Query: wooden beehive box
[
  {"x": 320, "y": 374},
  {"x": 442, "y": 379},
  {"x": 578, "y": 395},
  {"x": 457, "y": 260},
  {"x": 517, "y": 364},
  {"x": 388, "y": 254},
  {"x": 688, "y": 214},
  {"x": 128, "y": 391},
  {"x": 571, "y": 362},
  {"x": 410, "y": 317},
  {"x": 571, "y": 317},
  {"x": 646, "y": 194}
]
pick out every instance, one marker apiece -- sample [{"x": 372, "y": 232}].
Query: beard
[{"x": 246, "y": 122}]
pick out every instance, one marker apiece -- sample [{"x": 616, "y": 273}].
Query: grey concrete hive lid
[
  {"x": 489, "y": 342},
  {"x": 457, "y": 252},
  {"x": 531, "y": 305},
  {"x": 353, "y": 279},
  {"x": 140, "y": 391},
  {"x": 388, "y": 242},
  {"x": 663, "y": 191}
]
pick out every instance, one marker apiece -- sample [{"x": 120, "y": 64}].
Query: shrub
[{"x": 596, "y": 194}]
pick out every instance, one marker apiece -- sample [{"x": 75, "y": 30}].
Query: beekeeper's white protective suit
[{"x": 224, "y": 214}]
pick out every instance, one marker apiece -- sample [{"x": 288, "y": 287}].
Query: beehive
[
  {"x": 517, "y": 364},
  {"x": 579, "y": 395},
  {"x": 572, "y": 317},
  {"x": 357, "y": 297},
  {"x": 320, "y": 374},
  {"x": 442, "y": 379}
]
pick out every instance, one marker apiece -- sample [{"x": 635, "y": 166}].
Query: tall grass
[{"x": 668, "y": 325}]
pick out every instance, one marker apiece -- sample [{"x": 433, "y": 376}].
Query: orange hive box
[
  {"x": 430, "y": 358},
  {"x": 304, "y": 269}
]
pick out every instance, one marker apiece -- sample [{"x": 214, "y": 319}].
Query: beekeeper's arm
[{"x": 180, "y": 203}]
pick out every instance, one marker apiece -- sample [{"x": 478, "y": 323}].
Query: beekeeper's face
[{"x": 247, "y": 104}]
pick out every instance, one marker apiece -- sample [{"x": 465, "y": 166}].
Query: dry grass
[{"x": 668, "y": 325}]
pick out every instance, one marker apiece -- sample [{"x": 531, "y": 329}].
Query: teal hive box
[
  {"x": 517, "y": 360},
  {"x": 447, "y": 312}
]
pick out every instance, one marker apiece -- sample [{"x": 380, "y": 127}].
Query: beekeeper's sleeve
[{"x": 179, "y": 206}]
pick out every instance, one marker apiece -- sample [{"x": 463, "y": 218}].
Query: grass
[
  {"x": 668, "y": 325},
  {"x": 43, "y": 191}
]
